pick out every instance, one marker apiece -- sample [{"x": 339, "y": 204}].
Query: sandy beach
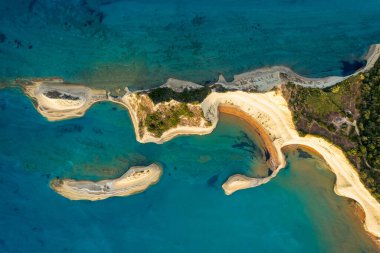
[
  {"x": 267, "y": 113},
  {"x": 270, "y": 111},
  {"x": 135, "y": 180},
  {"x": 274, "y": 121}
]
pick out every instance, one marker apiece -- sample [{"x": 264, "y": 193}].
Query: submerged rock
[{"x": 212, "y": 180}]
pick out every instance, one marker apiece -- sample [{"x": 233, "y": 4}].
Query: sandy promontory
[
  {"x": 135, "y": 180},
  {"x": 56, "y": 100}
]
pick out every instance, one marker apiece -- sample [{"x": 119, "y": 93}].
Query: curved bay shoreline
[{"x": 267, "y": 113}]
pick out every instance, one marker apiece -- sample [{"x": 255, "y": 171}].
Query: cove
[{"x": 186, "y": 211}]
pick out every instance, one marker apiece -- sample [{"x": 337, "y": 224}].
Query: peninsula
[{"x": 161, "y": 114}]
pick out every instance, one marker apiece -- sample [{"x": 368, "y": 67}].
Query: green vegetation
[
  {"x": 320, "y": 103},
  {"x": 158, "y": 122},
  {"x": 330, "y": 113},
  {"x": 187, "y": 96},
  {"x": 333, "y": 112},
  {"x": 369, "y": 127}
]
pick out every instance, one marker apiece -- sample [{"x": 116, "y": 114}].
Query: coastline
[
  {"x": 283, "y": 134},
  {"x": 266, "y": 78},
  {"x": 267, "y": 110},
  {"x": 270, "y": 110},
  {"x": 129, "y": 102},
  {"x": 58, "y": 109},
  {"x": 255, "y": 127},
  {"x": 135, "y": 180},
  {"x": 340, "y": 189}
]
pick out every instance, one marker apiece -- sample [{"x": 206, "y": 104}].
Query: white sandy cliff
[{"x": 135, "y": 180}]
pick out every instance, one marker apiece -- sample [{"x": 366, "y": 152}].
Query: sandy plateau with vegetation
[
  {"x": 163, "y": 113},
  {"x": 159, "y": 122}
]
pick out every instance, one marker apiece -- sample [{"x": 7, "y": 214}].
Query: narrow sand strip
[{"x": 135, "y": 180}]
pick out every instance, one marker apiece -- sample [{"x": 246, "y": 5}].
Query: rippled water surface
[
  {"x": 142, "y": 43},
  {"x": 186, "y": 211}
]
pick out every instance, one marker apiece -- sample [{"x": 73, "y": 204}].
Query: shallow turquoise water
[
  {"x": 142, "y": 43},
  {"x": 186, "y": 211}
]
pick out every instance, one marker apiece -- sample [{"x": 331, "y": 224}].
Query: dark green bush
[{"x": 159, "y": 95}]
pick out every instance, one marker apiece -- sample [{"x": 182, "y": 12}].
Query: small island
[{"x": 135, "y": 180}]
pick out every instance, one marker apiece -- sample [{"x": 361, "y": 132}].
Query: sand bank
[{"x": 135, "y": 180}]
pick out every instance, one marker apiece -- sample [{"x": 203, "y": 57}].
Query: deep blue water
[
  {"x": 186, "y": 211},
  {"x": 142, "y": 43}
]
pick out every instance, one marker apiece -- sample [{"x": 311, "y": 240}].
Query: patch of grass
[
  {"x": 321, "y": 103},
  {"x": 158, "y": 122}
]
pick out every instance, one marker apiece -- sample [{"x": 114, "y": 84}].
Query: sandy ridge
[{"x": 135, "y": 180}]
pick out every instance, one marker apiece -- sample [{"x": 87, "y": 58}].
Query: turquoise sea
[
  {"x": 140, "y": 43},
  {"x": 186, "y": 211}
]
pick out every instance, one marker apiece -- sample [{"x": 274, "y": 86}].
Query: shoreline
[
  {"x": 347, "y": 184},
  {"x": 270, "y": 110},
  {"x": 266, "y": 112},
  {"x": 339, "y": 189},
  {"x": 266, "y": 78},
  {"x": 261, "y": 79},
  {"x": 256, "y": 128},
  {"x": 359, "y": 210},
  {"x": 59, "y": 109}
]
